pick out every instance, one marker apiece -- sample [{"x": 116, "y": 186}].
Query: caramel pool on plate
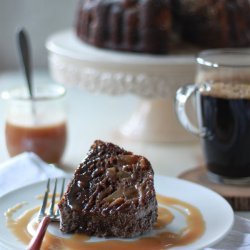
[{"x": 162, "y": 239}]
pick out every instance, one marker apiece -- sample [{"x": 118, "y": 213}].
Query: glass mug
[
  {"x": 222, "y": 92},
  {"x": 37, "y": 125}
]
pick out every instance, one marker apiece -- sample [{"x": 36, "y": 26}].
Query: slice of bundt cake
[{"x": 112, "y": 194}]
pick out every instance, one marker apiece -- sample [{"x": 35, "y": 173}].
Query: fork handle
[{"x": 37, "y": 239}]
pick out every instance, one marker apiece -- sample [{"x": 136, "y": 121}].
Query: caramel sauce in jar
[
  {"x": 161, "y": 238},
  {"x": 47, "y": 141},
  {"x": 36, "y": 124}
]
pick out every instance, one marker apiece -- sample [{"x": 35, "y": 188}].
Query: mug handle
[{"x": 182, "y": 96}]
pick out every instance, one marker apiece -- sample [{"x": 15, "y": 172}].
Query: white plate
[{"x": 216, "y": 212}]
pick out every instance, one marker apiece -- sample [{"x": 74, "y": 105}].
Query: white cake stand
[{"x": 153, "y": 78}]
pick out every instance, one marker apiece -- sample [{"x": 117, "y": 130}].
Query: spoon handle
[{"x": 24, "y": 53}]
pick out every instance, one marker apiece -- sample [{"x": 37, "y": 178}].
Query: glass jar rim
[
  {"x": 202, "y": 58},
  {"x": 22, "y": 93}
]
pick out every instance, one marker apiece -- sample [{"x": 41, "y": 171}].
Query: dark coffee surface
[{"x": 225, "y": 116}]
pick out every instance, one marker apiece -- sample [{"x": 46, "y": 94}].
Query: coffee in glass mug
[{"x": 222, "y": 102}]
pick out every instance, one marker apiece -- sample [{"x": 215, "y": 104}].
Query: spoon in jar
[{"x": 25, "y": 59}]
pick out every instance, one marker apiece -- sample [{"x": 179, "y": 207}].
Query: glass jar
[{"x": 36, "y": 125}]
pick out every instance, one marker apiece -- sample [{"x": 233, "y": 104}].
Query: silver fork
[{"x": 45, "y": 218}]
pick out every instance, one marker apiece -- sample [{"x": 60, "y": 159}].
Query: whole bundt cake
[{"x": 155, "y": 26}]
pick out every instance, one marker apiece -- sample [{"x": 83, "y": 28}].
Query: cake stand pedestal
[
  {"x": 154, "y": 79},
  {"x": 154, "y": 120}
]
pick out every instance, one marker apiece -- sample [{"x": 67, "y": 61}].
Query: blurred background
[
  {"x": 40, "y": 18},
  {"x": 90, "y": 116}
]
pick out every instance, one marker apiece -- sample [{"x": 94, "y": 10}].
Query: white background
[{"x": 41, "y": 18}]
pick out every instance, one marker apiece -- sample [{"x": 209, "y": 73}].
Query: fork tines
[{"x": 54, "y": 216}]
